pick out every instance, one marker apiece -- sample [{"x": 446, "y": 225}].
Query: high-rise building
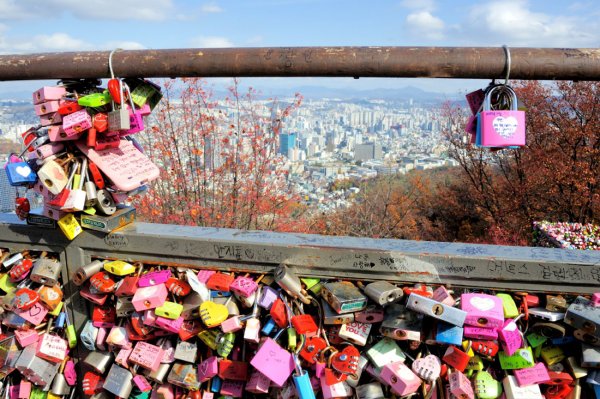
[
  {"x": 367, "y": 151},
  {"x": 287, "y": 141}
]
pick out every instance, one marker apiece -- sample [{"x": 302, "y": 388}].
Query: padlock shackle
[{"x": 504, "y": 89}]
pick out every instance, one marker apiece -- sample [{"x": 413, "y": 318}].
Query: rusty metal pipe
[{"x": 388, "y": 62}]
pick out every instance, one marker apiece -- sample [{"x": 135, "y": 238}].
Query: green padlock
[
  {"x": 37, "y": 393},
  {"x": 310, "y": 282},
  {"x": 137, "y": 394},
  {"x": 486, "y": 387},
  {"x": 95, "y": 100},
  {"x": 536, "y": 339},
  {"x": 225, "y": 344},
  {"x": 144, "y": 91},
  {"x": 170, "y": 310},
  {"x": 509, "y": 306},
  {"x": 292, "y": 339},
  {"x": 209, "y": 337},
  {"x": 384, "y": 352},
  {"x": 6, "y": 285},
  {"x": 521, "y": 359},
  {"x": 475, "y": 363}
]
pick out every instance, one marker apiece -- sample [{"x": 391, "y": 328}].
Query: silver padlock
[
  {"x": 370, "y": 391},
  {"x": 105, "y": 203},
  {"x": 382, "y": 292},
  {"x": 91, "y": 191},
  {"x": 401, "y": 329},
  {"x": 583, "y": 315},
  {"x": 118, "y": 381},
  {"x": 186, "y": 351},
  {"x": 99, "y": 361},
  {"x": 83, "y": 273},
  {"x": 45, "y": 271},
  {"x": 60, "y": 386},
  {"x": 436, "y": 309},
  {"x": 344, "y": 297},
  {"x": 124, "y": 306},
  {"x": 290, "y": 283},
  {"x": 191, "y": 306},
  {"x": 160, "y": 374},
  {"x": 118, "y": 119},
  {"x": 590, "y": 356},
  {"x": 184, "y": 375},
  {"x": 330, "y": 317},
  {"x": 37, "y": 370},
  {"x": 353, "y": 379}
]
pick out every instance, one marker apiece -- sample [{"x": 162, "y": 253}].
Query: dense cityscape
[{"x": 328, "y": 140}]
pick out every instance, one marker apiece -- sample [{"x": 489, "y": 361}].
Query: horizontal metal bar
[
  {"x": 409, "y": 62},
  {"x": 455, "y": 264}
]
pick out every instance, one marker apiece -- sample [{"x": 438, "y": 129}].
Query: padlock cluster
[
  {"x": 82, "y": 158},
  {"x": 567, "y": 235},
  {"x": 37, "y": 335},
  {"x": 496, "y": 121},
  {"x": 184, "y": 333}
]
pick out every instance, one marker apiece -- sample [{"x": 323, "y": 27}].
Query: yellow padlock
[
  {"x": 509, "y": 306},
  {"x": 170, "y": 310},
  {"x": 6, "y": 285},
  {"x": 209, "y": 337},
  {"x": 119, "y": 268},
  {"x": 467, "y": 348},
  {"x": 70, "y": 226},
  {"x": 213, "y": 314},
  {"x": 56, "y": 311},
  {"x": 552, "y": 355}
]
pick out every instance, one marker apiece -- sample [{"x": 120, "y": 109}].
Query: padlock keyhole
[
  {"x": 482, "y": 321},
  {"x": 437, "y": 309},
  {"x": 48, "y": 182},
  {"x": 391, "y": 297}
]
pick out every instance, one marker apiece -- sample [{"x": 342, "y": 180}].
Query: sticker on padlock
[
  {"x": 343, "y": 297},
  {"x": 482, "y": 310},
  {"x": 273, "y": 361},
  {"x": 355, "y": 332}
]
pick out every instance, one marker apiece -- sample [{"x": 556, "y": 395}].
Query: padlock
[
  {"x": 304, "y": 323},
  {"x": 144, "y": 92},
  {"x": 20, "y": 174},
  {"x": 537, "y": 374},
  {"x": 273, "y": 361},
  {"x": 191, "y": 306},
  {"x": 213, "y": 314},
  {"x": 510, "y": 336},
  {"x": 26, "y": 337},
  {"x": 118, "y": 118},
  {"x": 159, "y": 375},
  {"x": 427, "y": 368},
  {"x": 460, "y": 386},
  {"x": 258, "y": 383},
  {"x": 338, "y": 390},
  {"x": 183, "y": 375},
  {"x": 354, "y": 379},
  {"x": 178, "y": 287},
  {"x": 482, "y": 310},
  {"x": 485, "y": 386},
  {"x": 267, "y": 296},
  {"x": 330, "y": 317},
  {"x": 119, "y": 268},
  {"x": 46, "y": 271},
  {"x": 220, "y": 282},
  {"x": 46, "y": 107},
  {"x": 170, "y": 310},
  {"x": 68, "y": 107},
  {"x": 19, "y": 271},
  {"x": 441, "y": 294},
  {"x": 514, "y": 391},
  {"x": 48, "y": 93},
  {"x": 382, "y": 292},
  {"x": 486, "y": 348},
  {"x": 118, "y": 381},
  {"x": 136, "y": 120},
  {"x": 52, "y": 348},
  {"x": 582, "y": 314},
  {"x": 105, "y": 203},
  {"x": 556, "y": 303},
  {"x": 355, "y": 332},
  {"x": 48, "y": 150},
  {"x": 149, "y": 297},
  {"x": 372, "y": 390},
  {"x": 437, "y": 310},
  {"x": 523, "y": 358},
  {"x": 500, "y": 128},
  {"x": 233, "y": 370},
  {"x": 509, "y": 306},
  {"x": 371, "y": 314},
  {"x": 480, "y": 333},
  {"x": 24, "y": 299},
  {"x": 103, "y": 282},
  {"x": 69, "y": 226},
  {"x": 39, "y": 371},
  {"x": 290, "y": 283},
  {"x": 76, "y": 123},
  {"x": 154, "y": 278},
  {"x": 91, "y": 383},
  {"x": 343, "y": 297},
  {"x": 400, "y": 378},
  {"x": 552, "y": 355},
  {"x": 146, "y": 355},
  {"x": 456, "y": 358},
  {"x": 186, "y": 351},
  {"x": 384, "y": 352},
  {"x": 252, "y": 330},
  {"x": 60, "y": 387},
  {"x": 243, "y": 286}
]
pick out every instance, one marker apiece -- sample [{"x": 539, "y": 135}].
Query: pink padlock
[
  {"x": 48, "y": 93},
  {"x": 442, "y": 295},
  {"x": 208, "y": 369},
  {"x": 118, "y": 337},
  {"x": 267, "y": 296},
  {"x": 24, "y": 389},
  {"x": 150, "y": 297},
  {"x": 46, "y": 107},
  {"x": 57, "y": 133},
  {"x": 537, "y": 374},
  {"x": 52, "y": 348},
  {"x": 145, "y": 110},
  {"x": 70, "y": 373},
  {"x": 204, "y": 275},
  {"x": 232, "y": 324},
  {"x": 596, "y": 299},
  {"x": 460, "y": 386},
  {"x": 510, "y": 336},
  {"x": 150, "y": 318},
  {"x": 35, "y": 314},
  {"x": 141, "y": 383},
  {"x": 168, "y": 324},
  {"x": 50, "y": 119},
  {"x": 47, "y": 150},
  {"x": 164, "y": 391},
  {"x": 274, "y": 362},
  {"x": 146, "y": 355},
  {"x": 26, "y": 337},
  {"x": 122, "y": 358},
  {"x": 93, "y": 296},
  {"x": 77, "y": 122},
  {"x": 402, "y": 379},
  {"x": 136, "y": 123},
  {"x": 232, "y": 388},
  {"x": 154, "y": 278},
  {"x": 243, "y": 286},
  {"x": 486, "y": 334},
  {"x": 482, "y": 310},
  {"x": 338, "y": 390},
  {"x": 258, "y": 383}
]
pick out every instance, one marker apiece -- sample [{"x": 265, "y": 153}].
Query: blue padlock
[
  {"x": 60, "y": 320},
  {"x": 449, "y": 334},
  {"x": 302, "y": 382},
  {"x": 215, "y": 384},
  {"x": 268, "y": 327},
  {"x": 566, "y": 340}
]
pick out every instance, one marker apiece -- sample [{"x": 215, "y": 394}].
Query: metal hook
[
  {"x": 110, "y": 66},
  {"x": 507, "y": 63}
]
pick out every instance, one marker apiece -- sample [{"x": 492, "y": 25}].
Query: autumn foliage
[{"x": 218, "y": 160}]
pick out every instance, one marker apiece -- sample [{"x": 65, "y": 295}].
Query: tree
[{"x": 218, "y": 159}]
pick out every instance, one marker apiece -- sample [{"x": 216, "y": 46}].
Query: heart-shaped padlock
[
  {"x": 22, "y": 207},
  {"x": 178, "y": 287},
  {"x": 333, "y": 377},
  {"x": 313, "y": 346},
  {"x": 103, "y": 282},
  {"x": 213, "y": 314},
  {"x": 486, "y": 387},
  {"x": 428, "y": 368},
  {"x": 225, "y": 344},
  {"x": 346, "y": 361}
]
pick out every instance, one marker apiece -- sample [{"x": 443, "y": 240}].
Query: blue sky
[{"x": 28, "y": 26}]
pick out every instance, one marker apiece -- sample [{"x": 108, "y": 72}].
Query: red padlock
[
  {"x": 190, "y": 329},
  {"x": 220, "y": 282},
  {"x": 559, "y": 378},
  {"x": 486, "y": 348},
  {"x": 178, "y": 287},
  {"x": 312, "y": 348},
  {"x": 115, "y": 87},
  {"x": 25, "y": 298},
  {"x": 19, "y": 272},
  {"x": 558, "y": 391},
  {"x": 68, "y": 107},
  {"x": 96, "y": 175},
  {"x": 304, "y": 323},
  {"x": 279, "y": 313},
  {"x": 103, "y": 282},
  {"x": 418, "y": 289},
  {"x": 22, "y": 207},
  {"x": 104, "y": 316},
  {"x": 100, "y": 122},
  {"x": 91, "y": 137},
  {"x": 456, "y": 358},
  {"x": 233, "y": 370},
  {"x": 92, "y": 383}
]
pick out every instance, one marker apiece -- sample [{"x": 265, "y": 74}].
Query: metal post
[{"x": 410, "y": 62}]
